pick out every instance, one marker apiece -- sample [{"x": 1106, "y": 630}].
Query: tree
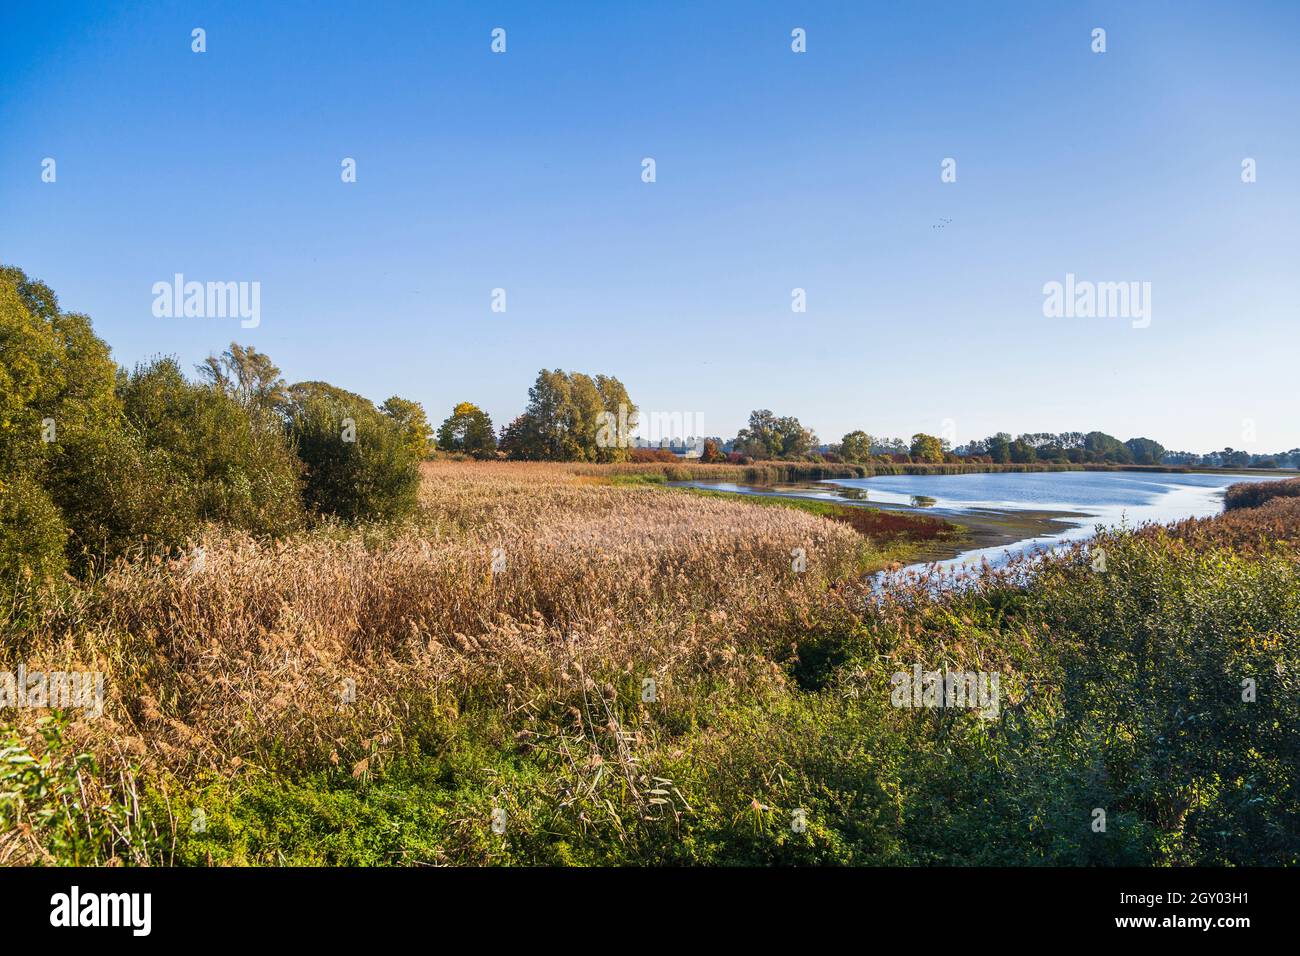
[
  {"x": 56, "y": 394},
  {"x": 410, "y": 418},
  {"x": 1145, "y": 451},
  {"x": 767, "y": 436},
  {"x": 759, "y": 439},
  {"x": 1022, "y": 451},
  {"x": 999, "y": 447},
  {"x": 585, "y": 416},
  {"x": 1100, "y": 447},
  {"x": 926, "y": 448},
  {"x": 521, "y": 440},
  {"x": 468, "y": 429},
  {"x": 56, "y": 376},
  {"x": 359, "y": 462},
  {"x": 795, "y": 440},
  {"x": 572, "y": 417},
  {"x": 856, "y": 446},
  {"x": 619, "y": 415},
  {"x": 247, "y": 375},
  {"x": 541, "y": 433}
]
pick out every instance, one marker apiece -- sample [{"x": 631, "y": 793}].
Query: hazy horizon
[{"x": 775, "y": 171}]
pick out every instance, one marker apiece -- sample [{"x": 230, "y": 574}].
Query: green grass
[
  {"x": 647, "y": 478},
  {"x": 824, "y": 509},
  {"x": 894, "y": 536}
]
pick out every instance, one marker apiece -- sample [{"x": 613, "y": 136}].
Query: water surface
[{"x": 1078, "y": 501}]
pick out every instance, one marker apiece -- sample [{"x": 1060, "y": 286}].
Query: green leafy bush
[
  {"x": 32, "y": 535},
  {"x": 359, "y": 463},
  {"x": 233, "y": 463},
  {"x": 53, "y": 809},
  {"x": 114, "y": 495}
]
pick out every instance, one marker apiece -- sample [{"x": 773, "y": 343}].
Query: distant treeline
[
  {"x": 769, "y": 436},
  {"x": 764, "y": 472},
  {"x": 1232, "y": 458},
  {"x": 576, "y": 417}
]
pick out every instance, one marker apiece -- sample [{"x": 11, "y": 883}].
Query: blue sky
[{"x": 775, "y": 170}]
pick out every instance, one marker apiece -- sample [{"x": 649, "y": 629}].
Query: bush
[
  {"x": 234, "y": 463},
  {"x": 114, "y": 495},
  {"x": 643, "y": 456},
  {"x": 32, "y": 535},
  {"x": 176, "y": 456},
  {"x": 1155, "y": 654},
  {"x": 359, "y": 464}
]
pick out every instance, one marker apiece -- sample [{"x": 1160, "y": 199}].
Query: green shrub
[
  {"x": 115, "y": 495},
  {"x": 1156, "y": 656},
  {"x": 359, "y": 462},
  {"x": 55, "y": 800},
  {"x": 234, "y": 463},
  {"x": 32, "y": 535},
  {"x": 176, "y": 455},
  {"x": 52, "y": 369}
]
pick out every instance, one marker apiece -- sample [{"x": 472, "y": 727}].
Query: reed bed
[
  {"x": 1252, "y": 494},
  {"x": 524, "y": 580}
]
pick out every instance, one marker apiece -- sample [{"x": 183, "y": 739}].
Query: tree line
[
  {"x": 1231, "y": 457},
  {"x": 1002, "y": 448},
  {"x": 769, "y": 436}
]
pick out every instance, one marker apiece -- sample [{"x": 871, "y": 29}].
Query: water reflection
[{"x": 1077, "y": 501}]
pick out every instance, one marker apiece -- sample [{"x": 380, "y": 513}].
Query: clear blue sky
[{"x": 775, "y": 170}]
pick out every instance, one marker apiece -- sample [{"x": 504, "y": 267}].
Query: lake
[{"x": 1056, "y": 506}]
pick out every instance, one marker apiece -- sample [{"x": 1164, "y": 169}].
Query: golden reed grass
[{"x": 247, "y": 664}]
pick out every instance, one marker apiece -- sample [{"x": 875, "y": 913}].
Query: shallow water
[{"x": 1107, "y": 498}]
